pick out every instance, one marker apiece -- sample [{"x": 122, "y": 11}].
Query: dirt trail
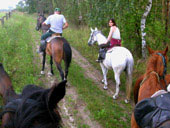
[
  {"x": 74, "y": 112},
  {"x": 96, "y": 75}
]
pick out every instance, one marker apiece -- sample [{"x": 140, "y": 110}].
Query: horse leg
[
  {"x": 104, "y": 70},
  {"x": 44, "y": 57},
  {"x": 60, "y": 70},
  {"x": 133, "y": 122},
  {"x": 51, "y": 63},
  {"x": 117, "y": 79}
]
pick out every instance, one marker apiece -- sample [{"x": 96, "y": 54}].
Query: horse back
[
  {"x": 119, "y": 57},
  {"x": 55, "y": 49}
]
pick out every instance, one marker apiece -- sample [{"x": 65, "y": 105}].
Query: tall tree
[
  {"x": 143, "y": 33},
  {"x": 167, "y": 19}
]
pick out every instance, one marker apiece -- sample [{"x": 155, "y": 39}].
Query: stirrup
[
  {"x": 39, "y": 51},
  {"x": 99, "y": 61}
]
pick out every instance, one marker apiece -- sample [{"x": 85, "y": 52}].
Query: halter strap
[
  {"x": 164, "y": 63},
  {"x": 159, "y": 77}
]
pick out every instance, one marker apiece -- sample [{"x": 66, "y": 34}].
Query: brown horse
[
  {"x": 138, "y": 82},
  {"x": 153, "y": 80},
  {"x": 57, "y": 48},
  {"x": 35, "y": 107}
]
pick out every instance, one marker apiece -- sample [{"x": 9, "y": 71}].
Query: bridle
[
  {"x": 158, "y": 76},
  {"x": 165, "y": 65},
  {"x": 94, "y": 33}
]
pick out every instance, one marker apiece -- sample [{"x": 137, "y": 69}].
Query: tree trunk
[
  {"x": 143, "y": 21},
  {"x": 167, "y": 19}
]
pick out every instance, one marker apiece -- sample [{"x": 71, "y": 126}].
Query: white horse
[{"x": 119, "y": 59}]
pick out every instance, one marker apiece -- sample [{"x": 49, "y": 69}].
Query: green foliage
[
  {"x": 127, "y": 13},
  {"x": 16, "y": 50}
]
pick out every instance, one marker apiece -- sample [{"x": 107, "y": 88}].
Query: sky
[{"x": 5, "y": 4}]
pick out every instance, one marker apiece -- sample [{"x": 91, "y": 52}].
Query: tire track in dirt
[{"x": 74, "y": 113}]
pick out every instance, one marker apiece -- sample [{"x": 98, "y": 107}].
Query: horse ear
[
  {"x": 57, "y": 92},
  {"x": 149, "y": 49},
  {"x": 166, "y": 50},
  {"x": 91, "y": 29},
  {"x": 95, "y": 28}
]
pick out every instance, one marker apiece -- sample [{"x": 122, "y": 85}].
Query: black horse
[{"x": 35, "y": 107}]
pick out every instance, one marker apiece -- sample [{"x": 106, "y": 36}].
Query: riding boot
[
  {"x": 101, "y": 57},
  {"x": 42, "y": 46},
  {"x": 99, "y": 60}
]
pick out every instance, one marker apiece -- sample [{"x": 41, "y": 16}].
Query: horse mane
[{"x": 34, "y": 107}]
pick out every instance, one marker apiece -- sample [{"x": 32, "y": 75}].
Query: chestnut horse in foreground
[
  {"x": 153, "y": 80},
  {"x": 35, "y": 107}
]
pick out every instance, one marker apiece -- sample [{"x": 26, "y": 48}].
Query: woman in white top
[{"x": 113, "y": 39}]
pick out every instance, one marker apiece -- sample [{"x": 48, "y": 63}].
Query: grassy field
[
  {"x": 2, "y": 14},
  {"x": 16, "y": 48}
]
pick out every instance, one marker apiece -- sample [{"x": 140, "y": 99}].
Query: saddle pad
[
  {"x": 50, "y": 38},
  {"x": 151, "y": 112}
]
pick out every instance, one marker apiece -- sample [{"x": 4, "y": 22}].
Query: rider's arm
[
  {"x": 65, "y": 25},
  {"x": 44, "y": 23},
  {"x": 112, "y": 29}
]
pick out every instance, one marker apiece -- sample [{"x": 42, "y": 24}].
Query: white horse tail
[{"x": 129, "y": 71}]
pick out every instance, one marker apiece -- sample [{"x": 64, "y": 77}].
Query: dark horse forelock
[{"x": 32, "y": 111}]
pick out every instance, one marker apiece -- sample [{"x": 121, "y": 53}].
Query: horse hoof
[
  {"x": 126, "y": 101},
  {"x": 50, "y": 74},
  {"x": 114, "y": 97},
  {"x": 103, "y": 81},
  {"x": 105, "y": 88},
  {"x": 42, "y": 73}
]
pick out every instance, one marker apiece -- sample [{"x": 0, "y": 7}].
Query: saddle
[
  {"x": 48, "y": 40},
  {"x": 152, "y": 112}
]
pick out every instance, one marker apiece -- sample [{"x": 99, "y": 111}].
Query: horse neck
[
  {"x": 101, "y": 38},
  {"x": 6, "y": 89},
  {"x": 153, "y": 67}
]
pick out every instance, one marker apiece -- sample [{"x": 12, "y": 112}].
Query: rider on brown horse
[{"x": 57, "y": 23}]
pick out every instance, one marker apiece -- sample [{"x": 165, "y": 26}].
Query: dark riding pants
[{"x": 47, "y": 34}]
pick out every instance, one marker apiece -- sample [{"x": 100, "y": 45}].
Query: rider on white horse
[{"x": 113, "y": 39}]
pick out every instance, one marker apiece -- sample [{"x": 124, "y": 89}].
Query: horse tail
[{"x": 67, "y": 52}]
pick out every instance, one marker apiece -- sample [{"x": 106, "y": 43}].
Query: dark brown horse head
[
  {"x": 41, "y": 18},
  {"x": 35, "y": 107}
]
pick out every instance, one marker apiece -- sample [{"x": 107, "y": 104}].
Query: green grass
[
  {"x": 102, "y": 107},
  {"x": 16, "y": 50},
  {"x": 2, "y": 14},
  {"x": 17, "y": 40},
  {"x": 17, "y": 56}
]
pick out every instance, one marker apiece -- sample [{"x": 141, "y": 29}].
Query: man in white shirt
[{"x": 57, "y": 23}]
